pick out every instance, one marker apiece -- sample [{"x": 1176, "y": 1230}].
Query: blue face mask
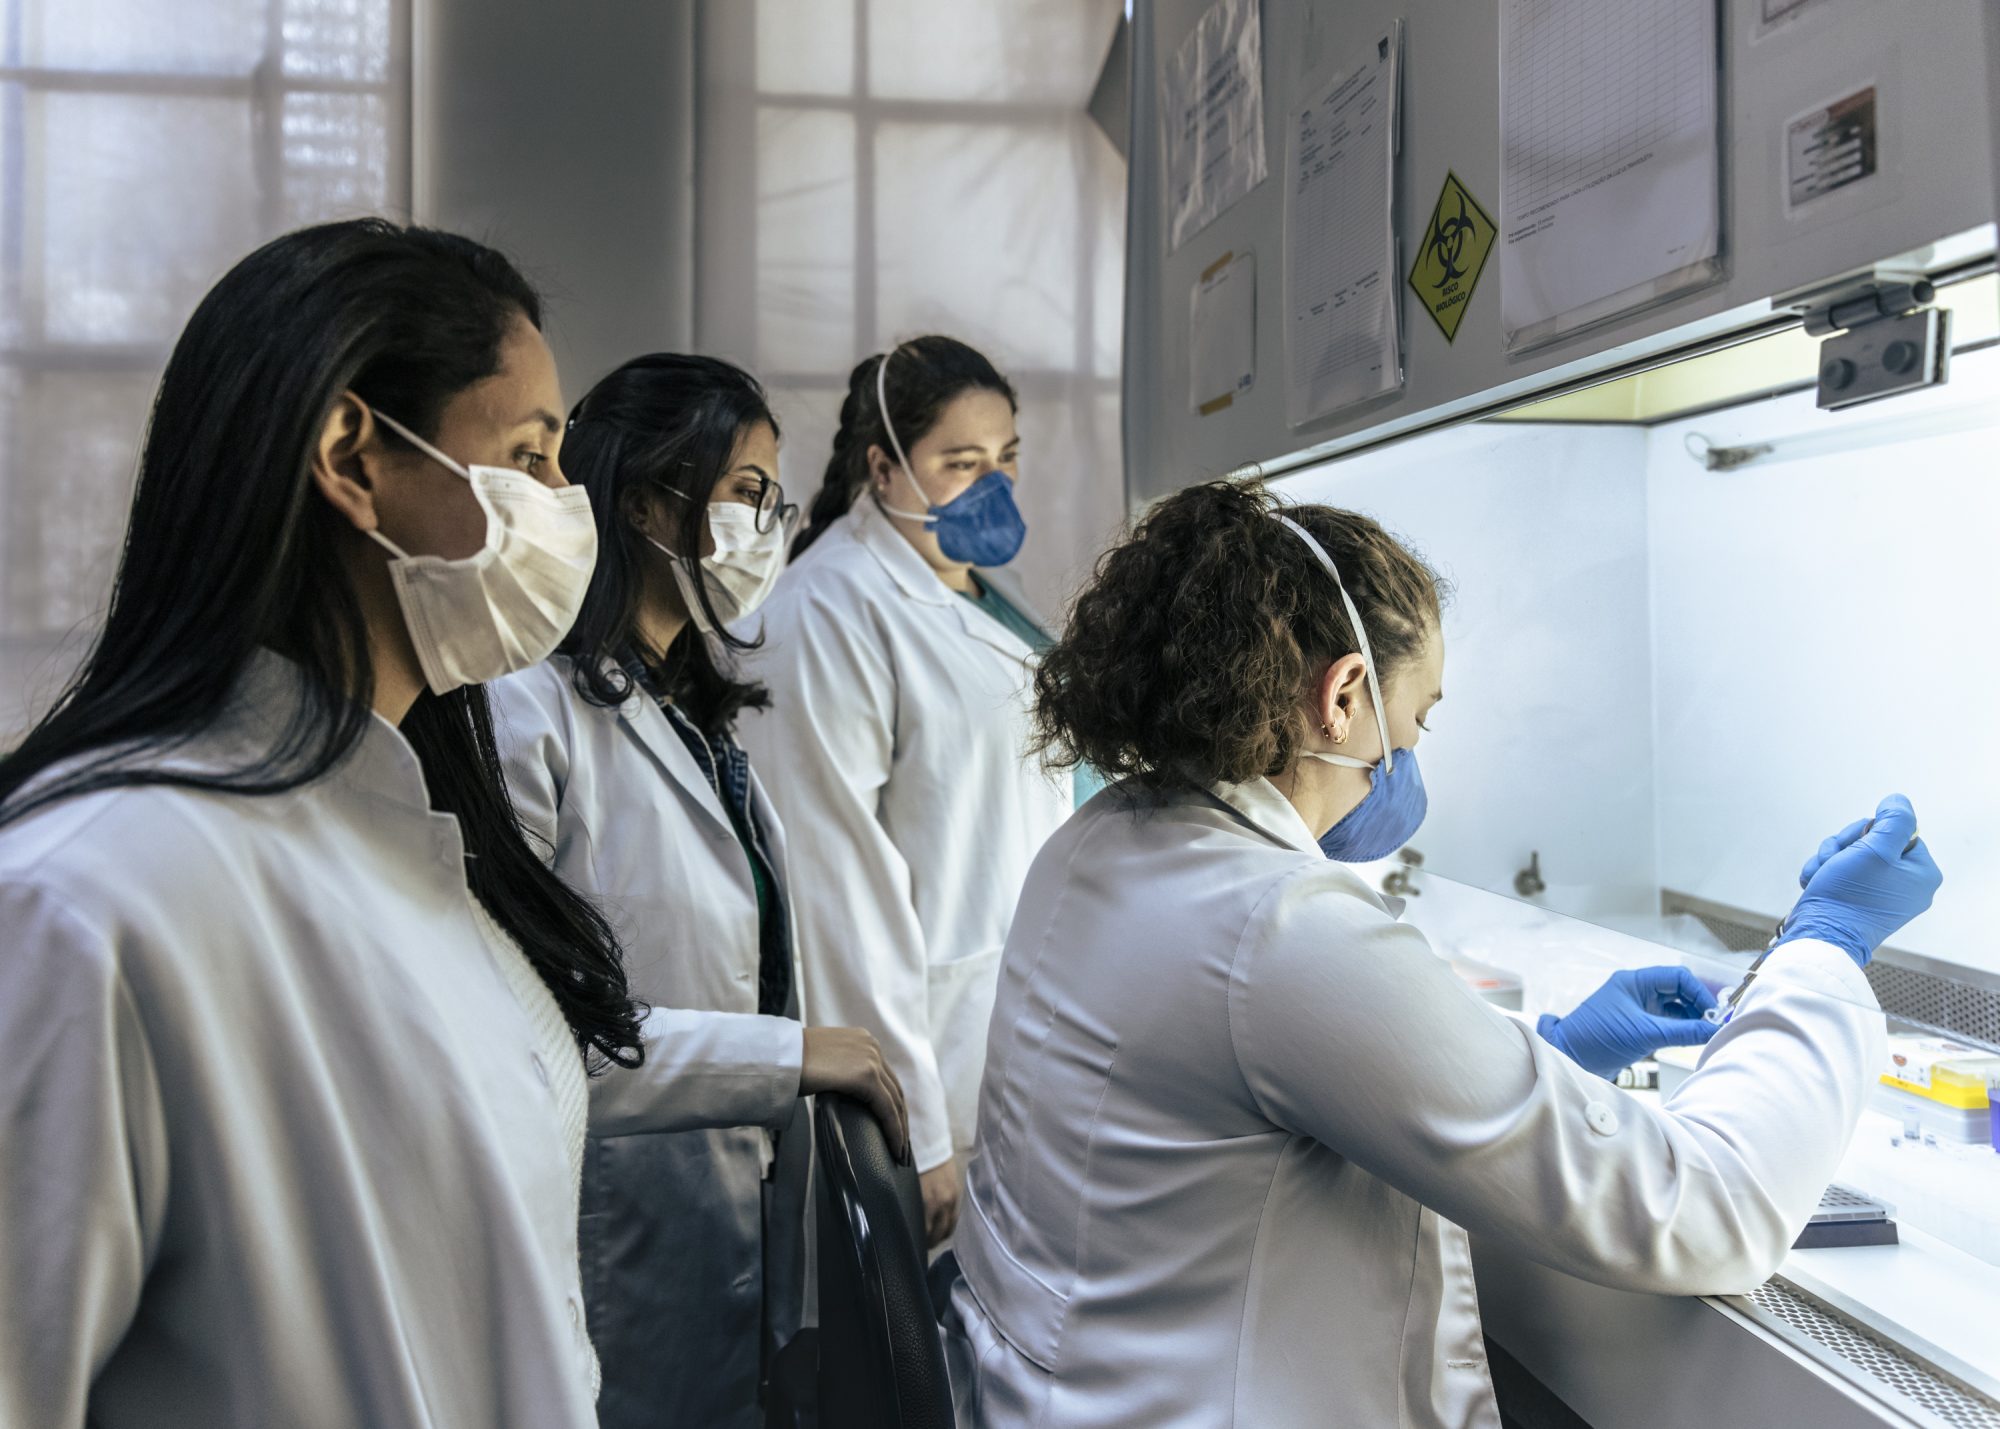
[
  {"x": 981, "y": 525},
  {"x": 1384, "y": 821},
  {"x": 1396, "y": 804}
]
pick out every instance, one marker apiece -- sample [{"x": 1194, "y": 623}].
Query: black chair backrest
[{"x": 881, "y": 1356}]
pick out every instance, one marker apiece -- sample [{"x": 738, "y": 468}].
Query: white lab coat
[
  {"x": 1235, "y": 1116},
  {"x": 675, "y": 1230},
  {"x": 280, "y": 1146},
  {"x": 896, "y": 748}
]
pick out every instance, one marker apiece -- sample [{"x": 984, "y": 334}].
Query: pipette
[{"x": 1726, "y": 1009}]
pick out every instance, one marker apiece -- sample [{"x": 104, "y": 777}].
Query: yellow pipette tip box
[{"x": 1942, "y": 1071}]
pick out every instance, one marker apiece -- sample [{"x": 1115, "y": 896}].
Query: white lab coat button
[
  {"x": 542, "y": 1071},
  {"x": 1601, "y": 1118}
]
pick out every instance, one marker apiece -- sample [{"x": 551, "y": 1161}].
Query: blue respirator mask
[
  {"x": 1396, "y": 804},
  {"x": 981, "y": 525}
]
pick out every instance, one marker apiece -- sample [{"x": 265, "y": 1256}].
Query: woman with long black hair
[
  {"x": 293, "y": 1022},
  {"x": 621, "y": 756}
]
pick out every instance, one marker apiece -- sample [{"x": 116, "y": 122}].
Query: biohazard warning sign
[{"x": 1450, "y": 256}]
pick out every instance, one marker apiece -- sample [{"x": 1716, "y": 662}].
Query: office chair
[{"x": 881, "y": 1355}]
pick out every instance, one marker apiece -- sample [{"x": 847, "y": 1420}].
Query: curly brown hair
[{"x": 1187, "y": 655}]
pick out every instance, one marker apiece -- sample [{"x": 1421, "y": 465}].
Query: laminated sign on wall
[
  {"x": 1222, "y": 333},
  {"x": 1610, "y": 160},
  {"x": 1212, "y": 113},
  {"x": 1343, "y": 325},
  {"x": 1451, "y": 254}
]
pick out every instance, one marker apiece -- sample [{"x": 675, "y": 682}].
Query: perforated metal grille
[
  {"x": 1892, "y": 1373},
  {"x": 1935, "y": 1001},
  {"x": 1943, "y": 1004},
  {"x": 1737, "y": 937}
]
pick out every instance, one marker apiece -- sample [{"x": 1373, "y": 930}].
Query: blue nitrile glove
[
  {"x": 1865, "y": 882},
  {"x": 1631, "y": 1017}
]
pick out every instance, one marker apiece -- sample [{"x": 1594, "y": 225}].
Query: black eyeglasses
[
  {"x": 768, "y": 499},
  {"x": 772, "y": 508}
]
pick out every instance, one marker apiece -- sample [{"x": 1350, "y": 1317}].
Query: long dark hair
[
  {"x": 663, "y": 422},
  {"x": 1184, "y": 658},
  {"x": 231, "y": 548},
  {"x": 926, "y": 373}
]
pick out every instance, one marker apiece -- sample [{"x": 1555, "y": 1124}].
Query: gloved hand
[
  {"x": 1865, "y": 882},
  {"x": 1632, "y": 1016}
]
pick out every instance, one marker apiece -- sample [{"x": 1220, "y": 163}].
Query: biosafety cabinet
[{"x": 1667, "y": 331}]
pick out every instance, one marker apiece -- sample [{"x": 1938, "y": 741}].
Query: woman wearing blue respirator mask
[
  {"x": 1237, "y": 1119},
  {"x": 898, "y": 655}
]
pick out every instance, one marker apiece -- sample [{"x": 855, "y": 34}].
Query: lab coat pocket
[{"x": 961, "y": 1005}]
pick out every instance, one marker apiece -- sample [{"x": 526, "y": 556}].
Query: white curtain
[
  {"x": 145, "y": 145},
  {"x": 870, "y": 170}
]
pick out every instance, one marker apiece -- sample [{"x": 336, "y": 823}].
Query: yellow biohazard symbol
[{"x": 1451, "y": 256}]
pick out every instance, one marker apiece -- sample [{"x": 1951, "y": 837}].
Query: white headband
[{"x": 1360, "y": 633}]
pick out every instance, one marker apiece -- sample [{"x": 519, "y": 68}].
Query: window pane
[
  {"x": 69, "y": 444},
  {"x": 1022, "y": 52},
  {"x": 336, "y": 39},
  {"x": 1102, "y": 180},
  {"x": 805, "y": 46},
  {"x": 335, "y": 156},
  {"x": 1070, "y": 493},
  {"x": 805, "y": 240},
  {"x": 145, "y": 201},
  {"x": 808, "y": 416},
  {"x": 978, "y": 231},
  {"x": 14, "y": 294},
  {"x": 182, "y": 37}
]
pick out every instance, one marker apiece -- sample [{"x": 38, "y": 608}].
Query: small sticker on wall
[
  {"x": 1831, "y": 148},
  {"x": 1222, "y": 333},
  {"x": 1775, "y": 14}
]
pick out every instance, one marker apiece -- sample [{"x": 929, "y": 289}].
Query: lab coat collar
[
  {"x": 646, "y": 722},
  {"x": 911, "y": 572},
  {"x": 1270, "y": 812},
  {"x": 986, "y": 628},
  {"x": 268, "y": 694},
  {"x": 1007, "y": 582},
  {"x": 1274, "y": 816},
  {"x": 914, "y": 578}
]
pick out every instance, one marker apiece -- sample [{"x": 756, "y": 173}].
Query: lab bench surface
[
  {"x": 1905, "y": 1334},
  {"x": 1837, "y": 1340}
]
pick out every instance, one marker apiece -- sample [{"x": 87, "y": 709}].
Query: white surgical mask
[
  {"x": 509, "y": 604},
  {"x": 740, "y": 571}
]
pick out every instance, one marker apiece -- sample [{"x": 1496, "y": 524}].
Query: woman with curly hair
[{"x": 1237, "y": 1119}]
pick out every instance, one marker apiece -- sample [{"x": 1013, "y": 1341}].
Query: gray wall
[
  {"x": 564, "y": 134},
  {"x": 1934, "y": 188}
]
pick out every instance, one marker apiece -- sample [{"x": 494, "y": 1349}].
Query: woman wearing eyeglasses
[{"x": 621, "y": 757}]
